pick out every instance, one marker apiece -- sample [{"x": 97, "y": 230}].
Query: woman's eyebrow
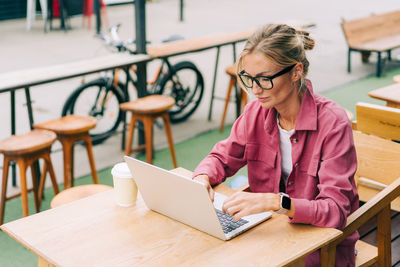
[{"x": 264, "y": 73}]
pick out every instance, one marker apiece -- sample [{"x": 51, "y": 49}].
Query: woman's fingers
[{"x": 242, "y": 204}]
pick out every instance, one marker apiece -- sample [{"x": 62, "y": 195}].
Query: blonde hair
[{"x": 281, "y": 43}]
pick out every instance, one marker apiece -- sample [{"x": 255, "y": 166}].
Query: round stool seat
[
  {"x": 396, "y": 79},
  {"x": 33, "y": 141},
  {"x": 151, "y": 104},
  {"x": 231, "y": 70},
  {"x": 71, "y": 124},
  {"x": 76, "y": 193}
]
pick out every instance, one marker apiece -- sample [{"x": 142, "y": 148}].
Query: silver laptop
[{"x": 187, "y": 201}]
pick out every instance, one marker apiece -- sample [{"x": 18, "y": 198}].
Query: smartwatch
[{"x": 285, "y": 203}]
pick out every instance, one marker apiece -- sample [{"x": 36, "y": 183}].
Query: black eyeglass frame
[{"x": 270, "y": 78}]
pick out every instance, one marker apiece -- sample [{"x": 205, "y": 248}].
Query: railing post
[{"x": 140, "y": 26}]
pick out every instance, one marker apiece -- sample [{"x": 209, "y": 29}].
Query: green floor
[{"x": 189, "y": 153}]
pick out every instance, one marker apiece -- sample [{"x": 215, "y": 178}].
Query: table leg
[
  {"x": 328, "y": 254},
  {"x": 213, "y": 87}
]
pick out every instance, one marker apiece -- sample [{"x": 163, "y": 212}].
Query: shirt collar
[{"x": 307, "y": 118}]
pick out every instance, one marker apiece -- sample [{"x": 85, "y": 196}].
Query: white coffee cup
[{"x": 124, "y": 185}]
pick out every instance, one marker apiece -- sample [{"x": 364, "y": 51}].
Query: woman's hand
[
  {"x": 242, "y": 204},
  {"x": 203, "y": 178}
]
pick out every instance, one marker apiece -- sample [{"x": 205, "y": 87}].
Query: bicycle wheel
[
  {"x": 97, "y": 99},
  {"x": 186, "y": 85}
]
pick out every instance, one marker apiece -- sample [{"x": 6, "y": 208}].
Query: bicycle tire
[
  {"x": 85, "y": 101},
  {"x": 186, "y": 84}
]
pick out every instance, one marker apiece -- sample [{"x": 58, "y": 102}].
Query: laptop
[{"x": 187, "y": 201}]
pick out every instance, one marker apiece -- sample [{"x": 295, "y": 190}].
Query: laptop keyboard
[{"x": 228, "y": 223}]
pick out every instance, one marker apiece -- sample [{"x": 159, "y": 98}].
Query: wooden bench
[
  {"x": 383, "y": 122},
  {"x": 376, "y": 33},
  {"x": 377, "y": 158}
]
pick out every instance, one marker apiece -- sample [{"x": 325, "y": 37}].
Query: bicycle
[{"x": 101, "y": 97}]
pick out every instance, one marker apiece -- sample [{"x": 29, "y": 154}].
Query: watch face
[{"x": 286, "y": 202}]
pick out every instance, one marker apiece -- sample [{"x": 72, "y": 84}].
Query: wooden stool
[
  {"x": 69, "y": 130},
  {"x": 25, "y": 150},
  {"x": 78, "y": 192},
  {"x": 148, "y": 109},
  {"x": 231, "y": 71}
]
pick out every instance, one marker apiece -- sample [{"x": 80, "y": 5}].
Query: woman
[{"x": 298, "y": 145}]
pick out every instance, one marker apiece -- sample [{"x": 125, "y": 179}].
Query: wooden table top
[
  {"x": 95, "y": 231},
  {"x": 29, "y": 77},
  {"x": 389, "y": 93}
]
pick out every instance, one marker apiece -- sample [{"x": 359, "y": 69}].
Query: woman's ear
[{"x": 297, "y": 72}]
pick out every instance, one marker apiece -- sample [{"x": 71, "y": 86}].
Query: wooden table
[
  {"x": 390, "y": 94},
  {"x": 96, "y": 232}
]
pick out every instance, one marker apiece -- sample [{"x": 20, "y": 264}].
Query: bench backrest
[
  {"x": 378, "y": 159},
  {"x": 378, "y": 120},
  {"x": 371, "y": 28}
]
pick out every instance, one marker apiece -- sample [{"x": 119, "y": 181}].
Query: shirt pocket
[
  {"x": 307, "y": 179},
  {"x": 261, "y": 164}
]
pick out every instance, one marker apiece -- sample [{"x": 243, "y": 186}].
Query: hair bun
[{"x": 308, "y": 41}]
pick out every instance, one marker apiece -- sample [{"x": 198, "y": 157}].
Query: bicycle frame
[{"x": 152, "y": 83}]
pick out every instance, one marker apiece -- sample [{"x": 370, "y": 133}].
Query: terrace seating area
[{"x": 370, "y": 95}]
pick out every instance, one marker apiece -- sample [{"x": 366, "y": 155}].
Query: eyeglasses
[{"x": 264, "y": 82}]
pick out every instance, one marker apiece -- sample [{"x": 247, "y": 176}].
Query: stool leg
[
  {"x": 52, "y": 174},
  {"x": 24, "y": 189},
  {"x": 6, "y": 162},
  {"x": 67, "y": 150},
  {"x": 42, "y": 181},
  {"x": 89, "y": 149},
  {"x": 34, "y": 171},
  {"x": 128, "y": 146},
  {"x": 168, "y": 131},
  {"x": 227, "y": 99},
  {"x": 148, "y": 132}
]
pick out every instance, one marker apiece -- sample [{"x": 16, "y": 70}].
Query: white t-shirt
[{"x": 286, "y": 151}]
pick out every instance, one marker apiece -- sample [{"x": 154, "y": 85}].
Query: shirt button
[
  {"x": 290, "y": 183},
  {"x": 296, "y": 164},
  {"x": 294, "y": 140}
]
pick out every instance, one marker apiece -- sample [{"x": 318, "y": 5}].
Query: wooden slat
[
  {"x": 367, "y": 254},
  {"x": 379, "y": 120},
  {"x": 378, "y": 159}
]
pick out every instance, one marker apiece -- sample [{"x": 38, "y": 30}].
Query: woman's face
[{"x": 284, "y": 89}]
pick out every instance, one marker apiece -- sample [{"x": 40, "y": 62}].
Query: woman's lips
[{"x": 263, "y": 99}]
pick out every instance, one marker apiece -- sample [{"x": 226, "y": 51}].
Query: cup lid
[{"x": 121, "y": 170}]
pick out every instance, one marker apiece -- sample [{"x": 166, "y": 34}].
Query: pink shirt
[{"x": 321, "y": 184}]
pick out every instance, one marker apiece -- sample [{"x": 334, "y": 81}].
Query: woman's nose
[{"x": 256, "y": 89}]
